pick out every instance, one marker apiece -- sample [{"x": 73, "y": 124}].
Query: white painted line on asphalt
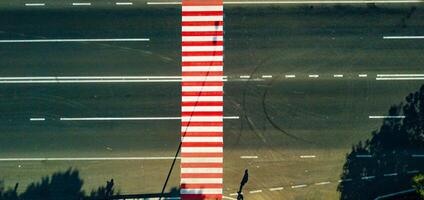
[
  {"x": 313, "y": 76},
  {"x": 255, "y": 191},
  {"x": 276, "y": 189},
  {"x": 81, "y": 4},
  {"x": 35, "y": 4},
  {"x": 128, "y": 118},
  {"x": 233, "y": 194},
  {"x": 230, "y": 198},
  {"x": 290, "y": 76},
  {"x": 417, "y": 155},
  {"x": 298, "y": 2},
  {"x": 123, "y": 3},
  {"x": 298, "y": 186},
  {"x": 78, "y": 40},
  {"x": 364, "y": 156},
  {"x": 307, "y": 156},
  {"x": 244, "y": 76},
  {"x": 399, "y": 78},
  {"x": 362, "y": 75},
  {"x": 367, "y": 177},
  {"x": 386, "y": 117},
  {"x": 248, "y": 157},
  {"x": 399, "y": 75},
  {"x": 391, "y": 174},
  {"x": 323, "y": 183},
  {"x": 402, "y": 37},
  {"x": 345, "y": 180},
  {"x": 338, "y": 75},
  {"x": 37, "y": 119},
  {"x": 266, "y": 76},
  {"x": 413, "y": 171},
  {"x": 87, "y": 159}
]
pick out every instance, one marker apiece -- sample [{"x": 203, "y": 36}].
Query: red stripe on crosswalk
[
  {"x": 202, "y": 13},
  {"x": 203, "y": 113},
  {"x": 202, "y": 53},
  {"x": 201, "y": 175},
  {"x": 201, "y": 165},
  {"x": 190, "y": 155},
  {"x": 201, "y": 144},
  {"x": 209, "y": 63},
  {"x": 203, "y": 43},
  {"x": 194, "y": 186},
  {"x": 201, "y": 123},
  {"x": 202, "y": 33},
  {"x": 201, "y": 134}
]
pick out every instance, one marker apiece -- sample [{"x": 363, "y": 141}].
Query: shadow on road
[
  {"x": 68, "y": 185},
  {"x": 387, "y": 162}
]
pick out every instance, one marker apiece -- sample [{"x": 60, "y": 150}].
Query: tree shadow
[
  {"x": 68, "y": 185},
  {"x": 386, "y": 163}
]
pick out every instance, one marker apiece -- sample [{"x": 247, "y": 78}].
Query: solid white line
[
  {"x": 276, "y": 189},
  {"x": 290, "y": 76},
  {"x": 248, "y": 157},
  {"x": 402, "y": 37},
  {"x": 266, "y": 76},
  {"x": 362, "y": 75},
  {"x": 87, "y": 159},
  {"x": 78, "y": 40},
  {"x": 255, "y": 191},
  {"x": 128, "y": 118},
  {"x": 298, "y": 2},
  {"x": 37, "y": 119},
  {"x": 88, "y": 77},
  {"x": 338, "y": 75},
  {"x": 398, "y": 75},
  {"x": 91, "y": 81},
  {"x": 313, "y": 76},
  {"x": 323, "y": 183},
  {"x": 308, "y": 156},
  {"x": 123, "y": 3},
  {"x": 81, "y": 4},
  {"x": 298, "y": 186},
  {"x": 386, "y": 117},
  {"x": 399, "y": 79},
  {"x": 35, "y": 4}
]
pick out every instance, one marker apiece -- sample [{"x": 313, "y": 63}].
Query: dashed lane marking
[
  {"x": 387, "y": 117},
  {"x": 323, "y": 183},
  {"x": 244, "y": 76},
  {"x": 417, "y": 155},
  {"x": 276, "y": 189},
  {"x": 248, "y": 157},
  {"x": 266, "y": 76},
  {"x": 362, "y": 75},
  {"x": 412, "y": 171},
  {"x": 313, "y": 76},
  {"x": 34, "y": 4},
  {"x": 255, "y": 191},
  {"x": 367, "y": 177},
  {"x": 37, "y": 119},
  {"x": 123, "y": 3},
  {"x": 364, "y": 156},
  {"x": 338, "y": 75},
  {"x": 391, "y": 174},
  {"x": 290, "y": 76},
  {"x": 307, "y": 156},
  {"x": 298, "y": 186},
  {"x": 81, "y": 4}
]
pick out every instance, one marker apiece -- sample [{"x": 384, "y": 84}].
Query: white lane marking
[
  {"x": 266, "y": 76},
  {"x": 298, "y": 2},
  {"x": 402, "y": 37},
  {"x": 244, "y": 76},
  {"x": 87, "y": 159},
  {"x": 255, "y": 191},
  {"x": 233, "y": 194},
  {"x": 364, "y": 156},
  {"x": 37, "y": 119},
  {"x": 362, "y": 75},
  {"x": 345, "y": 180},
  {"x": 298, "y": 186},
  {"x": 225, "y": 197},
  {"x": 412, "y": 171},
  {"x": 290, "y": 76},
  {"x": 78, "y": 40},
  {"x": 276, "y": 189},
  {"x": 123, "y": 3},
  {"x": 307, "y": 156},
  {"x": 90, "y": 81},
  {"x": 202, "y": 8},
  {"x": 248, "y": 157},
  {"x": 338, "y": 75},
  {"x": 313, "y": 76},
  {"x": 367, "y": 177},
  {"x": 399, "y": 78},
  {"x": 387, "y": 117},
  {"x": 35, "y": 4},
  {"x": 87, "y": 77},
  {"x": 81, "y": 4},
  {"x": 391, "y": 174},
  {"x": 323, "y": 183},
  {"x": 398, "y": 75},
  {"x": 129, "y": 118},
  {"x": 417, "y": 155}
]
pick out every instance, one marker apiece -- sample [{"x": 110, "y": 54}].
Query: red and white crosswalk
[{"x": 202, "y": 99}]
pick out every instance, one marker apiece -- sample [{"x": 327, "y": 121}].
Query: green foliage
[{"x": 419, "y": 184}]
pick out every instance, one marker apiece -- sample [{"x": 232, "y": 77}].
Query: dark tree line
[{"x": 389, "y": 164}]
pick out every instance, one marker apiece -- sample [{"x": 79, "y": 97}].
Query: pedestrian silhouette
[{"x": 244, "y": 180}]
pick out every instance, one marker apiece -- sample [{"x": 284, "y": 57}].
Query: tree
[{"x": 419, "y": 184}]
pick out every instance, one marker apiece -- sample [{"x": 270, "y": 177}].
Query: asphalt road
[{"x": 294, "y": 131}]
